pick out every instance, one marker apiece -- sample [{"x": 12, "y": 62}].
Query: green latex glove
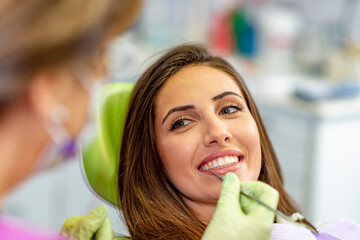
[
  {"x": 242, "y": 219},
  {"x": 95, "y": 226}
]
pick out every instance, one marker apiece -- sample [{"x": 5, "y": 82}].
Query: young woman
[
  {"x": 189, "y": 113},
  {"x": 51, "y": 54}
]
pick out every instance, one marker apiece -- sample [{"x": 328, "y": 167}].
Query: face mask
[
  {"x": 94, "y": 89},
  {"x": 64, "y": 146}
]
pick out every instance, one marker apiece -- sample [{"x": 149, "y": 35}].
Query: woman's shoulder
[{"x": 342, "y": 229}]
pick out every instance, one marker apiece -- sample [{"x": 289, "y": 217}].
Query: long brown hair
[
  {"x": 151, "y": 204},
  {"x": 42, "y": 34}
]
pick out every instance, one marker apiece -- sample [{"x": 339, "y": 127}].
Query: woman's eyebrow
[
  {"x": 224, "y": 94},
  {"x": 177, "y": 109}
]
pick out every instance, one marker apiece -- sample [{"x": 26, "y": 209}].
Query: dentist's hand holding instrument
[{"x": 244, "y": 218}]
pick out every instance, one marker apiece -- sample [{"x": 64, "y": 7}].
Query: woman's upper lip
[{"x": 220, "y": 154}]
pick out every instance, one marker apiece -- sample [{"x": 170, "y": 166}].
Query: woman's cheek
[{"x": 178, "y": 151}]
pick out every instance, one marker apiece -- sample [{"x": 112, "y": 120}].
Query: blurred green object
[
  {"x": 101, "y": 156},
  {"x": 244, "y": 32},
  {"x": 94, "y": 225}
]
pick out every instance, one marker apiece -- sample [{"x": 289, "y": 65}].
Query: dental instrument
[{"x": 295, "y": 218}]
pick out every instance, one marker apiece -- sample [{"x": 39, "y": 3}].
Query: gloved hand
[
  {"x": 95, "y": 225},
  {"x": 238, "y": 217}
]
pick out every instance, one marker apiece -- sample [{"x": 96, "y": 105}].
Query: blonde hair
[{"x": 40, "y": 34}]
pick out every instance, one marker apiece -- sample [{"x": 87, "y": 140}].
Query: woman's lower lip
[{"x": 224, "y": 170}]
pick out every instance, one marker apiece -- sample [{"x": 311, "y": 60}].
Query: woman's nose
[{"x": 216, "y": 132}]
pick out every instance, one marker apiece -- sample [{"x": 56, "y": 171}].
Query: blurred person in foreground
[{"x": 51, "y": 58}]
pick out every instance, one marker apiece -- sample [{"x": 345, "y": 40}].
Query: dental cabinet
[{"x": 319, "y": 152}]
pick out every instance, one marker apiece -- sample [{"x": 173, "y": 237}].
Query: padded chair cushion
[{"x": 100, "y": 158}]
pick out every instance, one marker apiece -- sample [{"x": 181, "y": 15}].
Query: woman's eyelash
[
  {"x": 238, "y": 107},
  {"x": 179, "y": 120}
]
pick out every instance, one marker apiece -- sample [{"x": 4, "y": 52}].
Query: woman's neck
[{"x": 203, "y": 210}]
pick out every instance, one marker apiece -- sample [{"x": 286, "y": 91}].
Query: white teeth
[
  {"x": 227, "y": 160},
  {"x": 220, "y": 162}
]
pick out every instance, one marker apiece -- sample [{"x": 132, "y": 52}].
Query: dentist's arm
[{"x": 237, "y": 217}]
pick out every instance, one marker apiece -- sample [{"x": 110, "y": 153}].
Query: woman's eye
[
  {"x": 179, "y": 123},
  {"x": 229, "y": 110}
]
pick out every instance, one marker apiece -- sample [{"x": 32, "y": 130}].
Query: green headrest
[{"x": 100, "y": 157}]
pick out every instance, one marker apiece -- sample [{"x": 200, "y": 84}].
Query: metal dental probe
[{"x": 302, "y": 221}]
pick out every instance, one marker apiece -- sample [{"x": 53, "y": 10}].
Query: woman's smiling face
[{"x": 202, "y": 122}]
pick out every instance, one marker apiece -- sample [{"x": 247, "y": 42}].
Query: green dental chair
[{"x": 100, "y": 157}]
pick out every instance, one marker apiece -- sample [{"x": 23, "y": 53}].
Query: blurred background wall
[{"x": 300, "y": 60}]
